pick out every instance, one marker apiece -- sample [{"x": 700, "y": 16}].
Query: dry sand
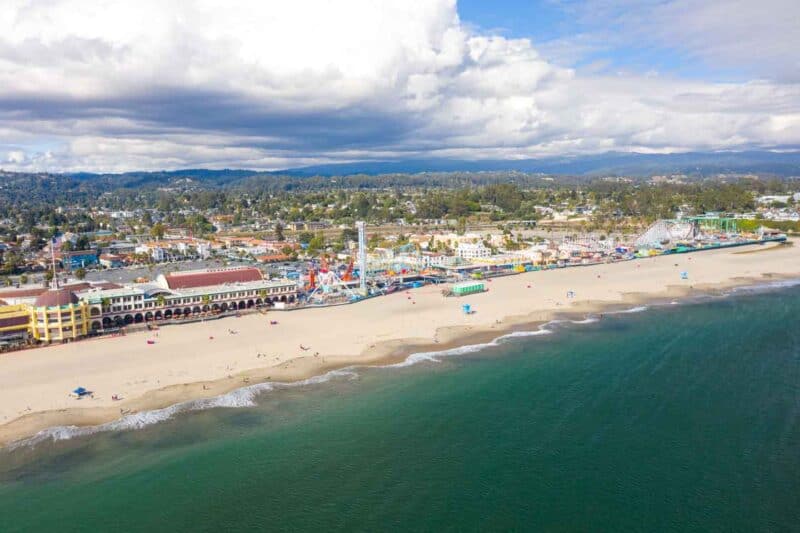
[{"x": 200, "y": 360}]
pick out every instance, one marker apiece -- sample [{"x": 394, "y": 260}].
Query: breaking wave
[
  {"x": 766, "y": 286},
  {"x": 637, "y": 309},
  {"x": 435, "y": 356},
  {"x": 587, "y": 320}
]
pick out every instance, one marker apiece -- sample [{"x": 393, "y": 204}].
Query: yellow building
[
  {"x": 15, "y": 324},
  {"x": 58, "y": 315}
]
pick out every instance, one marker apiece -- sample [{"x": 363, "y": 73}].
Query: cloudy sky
[{"x": 115, "y": 85}]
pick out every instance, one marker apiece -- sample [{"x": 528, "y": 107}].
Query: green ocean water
[{"x": 678, "y": 418}]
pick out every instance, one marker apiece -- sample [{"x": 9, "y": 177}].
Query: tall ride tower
[{"x": 362, "y": 255}]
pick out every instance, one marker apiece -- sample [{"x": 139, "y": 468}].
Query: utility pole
[{"x": 53, "y": 261}]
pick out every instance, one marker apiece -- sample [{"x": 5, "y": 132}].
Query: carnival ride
[{"x": 326, "y": 286}]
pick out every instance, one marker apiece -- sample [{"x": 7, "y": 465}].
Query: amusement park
[{"x": 365, "y": 274}]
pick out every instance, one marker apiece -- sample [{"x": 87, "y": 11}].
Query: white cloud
[
  {"x": 15, "y": 157},
  {"x": 728, "y": 37},
  {"x": 119, "y": 85}
]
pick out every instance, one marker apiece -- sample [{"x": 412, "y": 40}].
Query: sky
[{"x": 114, "y": 85}]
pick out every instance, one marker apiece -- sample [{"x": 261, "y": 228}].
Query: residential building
[{"x": 469, "y": 251}]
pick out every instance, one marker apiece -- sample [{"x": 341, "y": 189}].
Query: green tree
[
  {"x": 289, "y": 251},
  {"x": 157, "y": 231},
  {"x": 461, "y": 227},
  {"x": 305, "y": 237},
  {"x": 279, "y": 232},
  {"x": 317, "y": 243},
  {"x": 349, "y": 234},
  {"x": 82, "y": 243},
  {"x": 80, "y": 273}
]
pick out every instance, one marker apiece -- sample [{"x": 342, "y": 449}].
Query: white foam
[
  {"x": 588, "y": 320},
  {"x": 534, "y": 333},
  {"x": 767, "y": 286},
  {"x": 434, "y": 357},
  {"x": 637, "y": 309}
]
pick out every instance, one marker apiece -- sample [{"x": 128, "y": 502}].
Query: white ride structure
[{"x": 663, "y": 232}]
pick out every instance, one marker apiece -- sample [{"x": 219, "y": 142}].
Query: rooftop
[
  {"x": 56, "y": 298},
  {"x": 206, "y": 278},
  {"x": 244, "y": 286}
]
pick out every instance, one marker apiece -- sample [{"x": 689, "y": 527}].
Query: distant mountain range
[
  {"x": 612, "y": 163},
  {"x": 697, "y": 164}
]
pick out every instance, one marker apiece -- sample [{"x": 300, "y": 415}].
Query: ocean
[{"x": 669, "y": 418}]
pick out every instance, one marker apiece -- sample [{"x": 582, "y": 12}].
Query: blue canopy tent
[{"x": 80, "y": 391}]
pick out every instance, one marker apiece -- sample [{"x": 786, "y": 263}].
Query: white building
[
  {"x": 772, "y": 198},
  {"x": 468, "y": 250},
  {"x": 427, "y": 260},
  {"x": 157, "y": 253}
]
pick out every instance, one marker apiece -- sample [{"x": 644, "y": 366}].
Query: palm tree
[{"x": 160, "y": 300}]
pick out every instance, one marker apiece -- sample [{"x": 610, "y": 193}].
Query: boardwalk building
[
  {"x": 74, "y": 311},
  {"x": 186, "y": 295}
]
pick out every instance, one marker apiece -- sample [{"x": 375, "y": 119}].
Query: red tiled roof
[
  {"x": 22, "y": 293},
  {"x": 107, "y": 285},
  {"x": 206, "y": 278},
  {"x": 80, "y": 286},
  {"x": 56, "y": 298}
]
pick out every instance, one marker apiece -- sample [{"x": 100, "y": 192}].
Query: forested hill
[{"x": 79, "y": 187}]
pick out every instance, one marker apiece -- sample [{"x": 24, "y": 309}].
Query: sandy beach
[{"x": 207, "y": 359}]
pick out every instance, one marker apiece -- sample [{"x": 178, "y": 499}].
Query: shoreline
[{"x": 294, "y": 371}]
